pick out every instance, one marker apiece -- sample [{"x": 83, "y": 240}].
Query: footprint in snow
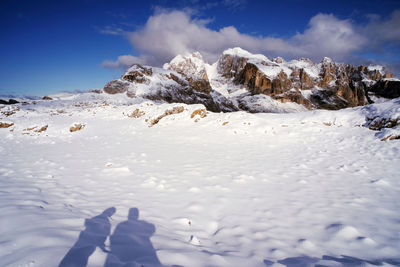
[
  {"x": 194, "y": 240},
  {"x": 380, "y": 182}
]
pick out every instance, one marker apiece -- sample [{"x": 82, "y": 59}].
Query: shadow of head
[
  {"x": 133, "y": 214},
  {"x": 109, "y": 212}
]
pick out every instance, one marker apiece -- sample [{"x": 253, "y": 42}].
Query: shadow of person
[
  {"x": 130, "y": 243},
  {"x": 95, "y": 234}
]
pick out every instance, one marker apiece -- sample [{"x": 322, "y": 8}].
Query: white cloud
[
  {"x": 123, "y": 62},
  {"x": 327, "y": 35},
  {"x": 168, "y": 33},
  {"x": 110, "y": 30}
]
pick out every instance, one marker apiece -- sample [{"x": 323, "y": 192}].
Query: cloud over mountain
[{"x": 168, "y": 33}]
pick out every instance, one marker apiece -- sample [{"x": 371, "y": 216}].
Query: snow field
[{"x": 260, "y": 188}]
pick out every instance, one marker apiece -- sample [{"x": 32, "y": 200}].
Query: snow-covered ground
[{"x": 227, "y": 189}]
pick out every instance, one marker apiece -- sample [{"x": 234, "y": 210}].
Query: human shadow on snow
[
  {"x": 95, "y": 234},
  {"x": 130, "y": 243}
]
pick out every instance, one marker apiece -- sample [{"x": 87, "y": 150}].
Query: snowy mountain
[{"x": 240, "y": 80}]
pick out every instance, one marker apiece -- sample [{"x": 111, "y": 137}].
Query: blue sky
[{"x": 54, "y": 46}]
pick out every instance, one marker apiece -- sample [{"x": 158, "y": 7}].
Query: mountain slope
[{"x": 240, "y": 80}]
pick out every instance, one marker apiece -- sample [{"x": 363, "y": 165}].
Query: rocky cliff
[{"x": 240, "y": 80}]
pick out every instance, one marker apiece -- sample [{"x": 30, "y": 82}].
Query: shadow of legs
[{"x": 95, "y": 234}]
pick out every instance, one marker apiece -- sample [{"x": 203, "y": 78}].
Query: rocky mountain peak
[
  {"x": 326, "y": 60},
  {"x": 278, "y": 60},
  {"x": 191, "y": 66},
  {"x": 252, "y": 82},
  {"x": 306, "y": 60}
]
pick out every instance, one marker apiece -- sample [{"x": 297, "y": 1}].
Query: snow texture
[{"x": 197, "y": 188}]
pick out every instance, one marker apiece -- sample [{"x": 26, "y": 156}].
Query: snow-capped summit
[
  {"x": 192, "y": 64},
  {"x": 376, "y": 68},
  {"x": 278, "y": 60},
  {"x": 239, "y": 52},
  {"x": 326, "y": 60},
  {"x": 240, "y": 80},
  {"x": 193, "y": 68}
]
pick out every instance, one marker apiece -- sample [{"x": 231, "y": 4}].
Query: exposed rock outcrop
[
  {"x": 294, "y": 96},
  {"x": 184, "y": 80},
  {"x": 6, "y": 124},
  {"x": 76, "y": 127},
  {"x": 229, "y": 84},
  {"x": 116, "y": 87},
  {"x": 387, "y": 88},
  {"x": 335, "y": 85},
  {"x": 9, "y": 102},
  {"x": 192, "y": 67}
]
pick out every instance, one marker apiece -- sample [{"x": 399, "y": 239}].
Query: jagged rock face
[
  {"x": 165, "y": 85},
  {"x": 386, "y": 88},
  {"x": 253, "y": 79},
  {"x": 137, "y": 74},
  {"x": 294, "y": 96},
  {"x": 230, "y": 66},
  {"x": 116, "y": 87},
  {"x": 305, "y": 80},
  {"x": 280, "y": 84},
  {"x": 328, "y": 74},
  {"x": 241, "y": 80},
  {"x": 192, "y": 67},
  {"x": 327, "y": 99},
  {"x": 342, "y": 81},
  {"x": 301, "y": 80}
]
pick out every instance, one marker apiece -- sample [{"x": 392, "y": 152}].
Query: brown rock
[
  {"x": 200, "y": 112},
  {"x": 76, "y": 127},
  {"x": 281, "y": 84},
  {"x": 202, "y": 85},
  {"x": 42, "y": 129},
  {"x": 378, "y": 123},
  {"x": 254, "y": 79},
  {"x": 192, "y": 68},
  {"x": 391, "y": 137},
  {"x": 327, "y": 99},
  {"x": 293, "y": 96},
  {"x": 47, "y": 98},
  {"x": 96, "y": 91},
  {"x": 137, "y": 74},
  {"x": 116, "y": 87},
  {"x": 230, "y": 66},
  {"x": 6, "y": 125},
  {"x": 174, "y": 110},
  {"x": 305, "y": 81},
  {"x": 137, "y": 113}
]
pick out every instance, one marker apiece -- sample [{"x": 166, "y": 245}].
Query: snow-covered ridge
[
  {"x": 237, "y": 79},
  {"x": 191, "y": 64},
  {"x": 239, "y": 52},
  {"x": 273, "y": 67}
]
